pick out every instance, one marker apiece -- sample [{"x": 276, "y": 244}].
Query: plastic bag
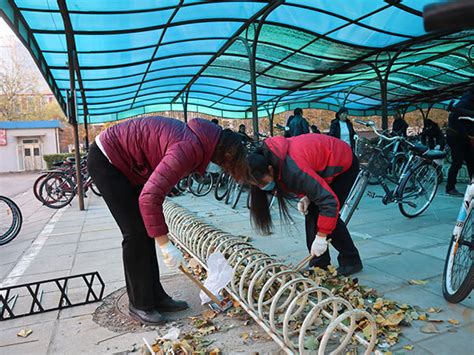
[{"x": 219, "y": 274}]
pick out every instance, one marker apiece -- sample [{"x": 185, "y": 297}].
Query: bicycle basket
[{"x": 371, "y": 157}]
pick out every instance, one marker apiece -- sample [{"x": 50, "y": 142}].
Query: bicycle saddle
[
  {"x": 57, "y": 163},
  {"x": 434, "y": 154}
]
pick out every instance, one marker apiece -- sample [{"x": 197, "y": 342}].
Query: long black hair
[{"x": 261, "y": 218}]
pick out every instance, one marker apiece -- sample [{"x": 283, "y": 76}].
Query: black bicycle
[
  {"x": 10, "y": 220},
  {"x": 416, "y": 187}
]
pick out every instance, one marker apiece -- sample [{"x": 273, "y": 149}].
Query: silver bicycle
[{"x": 458, "y": 276}]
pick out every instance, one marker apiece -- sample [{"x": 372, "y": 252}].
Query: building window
[
  {"x": 27, "y": 152},
  {"x": 36, "y": 152},
  {"x": 30, "y": 141}
]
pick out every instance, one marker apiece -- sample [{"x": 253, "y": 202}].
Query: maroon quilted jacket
[{"x": 157, "y": 152}]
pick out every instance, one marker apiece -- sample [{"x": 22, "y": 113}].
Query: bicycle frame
[{"x": 466, "y": 207}]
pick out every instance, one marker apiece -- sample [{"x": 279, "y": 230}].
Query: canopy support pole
[
  {"x": 383, "y": 80},
  {"x": 72, "y": 112},
  {"x": 86, "y": 135},
  {"x": 185, "y": 104},
  {"x": 272, "y": 116}
]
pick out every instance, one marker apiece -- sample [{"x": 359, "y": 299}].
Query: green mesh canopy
[{"x": 141, "y": 56}]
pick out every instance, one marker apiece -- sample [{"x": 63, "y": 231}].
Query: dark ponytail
[
  {"x": 260, "y": 214},
  {"x": 230, "y": 154}
]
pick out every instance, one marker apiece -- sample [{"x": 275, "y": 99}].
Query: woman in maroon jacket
[
  {"x": 134, "y": 165},
  {"x": 319, "y": 169}
]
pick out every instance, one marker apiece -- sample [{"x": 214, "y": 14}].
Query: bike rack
[
  {"x": 34, "y": 298},
  {"x": 289, "y": 307}
]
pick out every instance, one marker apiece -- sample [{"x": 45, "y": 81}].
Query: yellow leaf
[
  {"x": 215, "y": 351},
  {"x": 453, "y": 321},
  {"x": 408, "y": 347},
  {"x": 379, "y": 319},
  {"x": 378, "y": 303},
  {"x": 394, "y": 319},
  {"x": 433, "y": 310},
  {"x": 417, "y": 282},
  {"x": 422, "y": 317},
  {"x": 209, "y": 314},
  {"x": 245, "y": 336},
  {"x": 24, "y": 333}
]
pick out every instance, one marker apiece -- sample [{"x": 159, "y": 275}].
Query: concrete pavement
[{"x": 394, "y": 250}]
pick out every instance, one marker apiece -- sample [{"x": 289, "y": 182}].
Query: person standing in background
[
  {"x": 342, "y": 128},
  {"x": 315, "y": 129},
  {"x": 296, "y": 124},
  {"x": 457, "y": 136},
  {"x": 399, "y": 125}
]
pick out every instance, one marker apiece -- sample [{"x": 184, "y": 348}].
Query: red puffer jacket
[
  {"x": 307, "y": 165},
  {"x": 157, "y": 152}
]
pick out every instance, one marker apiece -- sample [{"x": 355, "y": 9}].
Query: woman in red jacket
[
  {"x": 134, "y": 165},
  {"x": 319, "y": 169}
]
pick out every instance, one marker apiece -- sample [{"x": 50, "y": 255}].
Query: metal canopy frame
[{"x": 281, "y": 79}]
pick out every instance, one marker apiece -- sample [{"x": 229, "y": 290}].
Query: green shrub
[{"x": 52, "y": 158}]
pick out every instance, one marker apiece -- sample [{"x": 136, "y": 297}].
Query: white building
[{"x": 23, "y": 144}]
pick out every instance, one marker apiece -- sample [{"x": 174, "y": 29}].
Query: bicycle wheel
[
  {"x": 240, "y": 188},
  {"x": 230, "y": 191},
  {"x": 95, "y": 190},
  {"x": 355, "y": 195},
  {"x": 57, "y": 191},
  {"x": 417, "y": 190},
  {"x": 200, "y": 185},
  {"x": 222, "y": 185},
  {"x": 37, "y": 184},
  {"x": 458, "y": 276},
  {"x": 182, "y": 185},
  {"x": 10, "y": 220}
]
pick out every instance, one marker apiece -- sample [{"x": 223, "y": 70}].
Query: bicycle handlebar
[{"x": 371, "y": 124}]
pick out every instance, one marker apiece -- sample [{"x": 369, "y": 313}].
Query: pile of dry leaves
[{"x": 389, "y": 315}]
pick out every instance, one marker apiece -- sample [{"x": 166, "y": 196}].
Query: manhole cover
[{"x": 113, "y": 312}]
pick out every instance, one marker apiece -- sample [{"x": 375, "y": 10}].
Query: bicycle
[
  {"x": 11, "y": 220},
  {"x": 416, "y": 187},
  {"x": 458, "y": 273},
  {"x": 57, "y": 188}
]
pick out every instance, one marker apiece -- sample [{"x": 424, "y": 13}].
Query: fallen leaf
[
  {"x": 435, "y": 320},
  {"x": 404, "y": 306},
  {"x": 422, "y": 317},
  {"x": 429, "y": 329},
  {"x": 394, "y": 319},
  {"x": 193, "y": 263},
  {"x": 417, "y": 282},
  {"x": 245, "y": 336},
  {"x": 378, "y": 303},
  {"x": 408, "y": 347},
  {"x": 311, "y": 343},
  {"x": 433, "y": 310},
  {"x": 367, "y": 331},
  {"x": 215, "y": 351},
  {"x": 209, "y": 314},
  {"x": 24, "y": 333},
  {"x": 453, "y": 321}
]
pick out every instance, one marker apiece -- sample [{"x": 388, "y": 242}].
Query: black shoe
[
  {"x": 454, "y": 192},
  {"x": 348, "y": 269},
  {"x": 150, "y": 317},
  {"x": 170, "y": 305}
]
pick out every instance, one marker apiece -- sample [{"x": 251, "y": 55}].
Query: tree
[{"x": 18, "y": 86}]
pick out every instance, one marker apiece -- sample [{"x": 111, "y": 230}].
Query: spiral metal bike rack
[{"x": 289, "y": 307}]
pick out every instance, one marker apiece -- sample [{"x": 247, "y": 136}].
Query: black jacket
[
  {"x": 399, "y": 127},
  {"x": 297, "y": 126},
  {"x": 335, "y": 130},
  {"x": 462, "y": 128}
]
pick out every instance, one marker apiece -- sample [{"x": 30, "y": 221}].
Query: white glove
[
  {"x": 319, "y": 246},
  {"x": 172, "y": 257},
  {"x": 303, "y": 205}
]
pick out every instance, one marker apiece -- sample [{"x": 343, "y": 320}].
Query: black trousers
[
  {"x": 341, "y": 239},
  {"x": 461, "y": 151},
  {"x": 142, "y": 275}
]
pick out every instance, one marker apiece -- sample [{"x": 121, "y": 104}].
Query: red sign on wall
[{"x": 3, "y": 137}]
